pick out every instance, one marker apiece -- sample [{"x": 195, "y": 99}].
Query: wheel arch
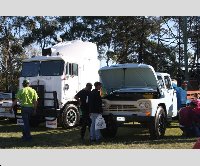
[
  {"x": 163, "y": 106},
  {"x": 69, "y": 103}
]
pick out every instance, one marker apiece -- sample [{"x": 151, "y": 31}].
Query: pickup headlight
[
  {"x": 103, "y": 104},
  {"x": 144, "y": 105}
]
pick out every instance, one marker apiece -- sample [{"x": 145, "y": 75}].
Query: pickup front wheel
[{"x": 157, "y": 127}]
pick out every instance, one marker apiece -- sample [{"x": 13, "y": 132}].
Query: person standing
[
  {"x": 95, "y": 108},
  {"x": 188, "y": 120},
  {"x": 28, "y": 99},
  {"x": 82, "y": 97}
]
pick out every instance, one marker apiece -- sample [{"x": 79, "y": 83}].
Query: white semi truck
[
  {"x": 57, "y": 76},
  {"x": 136, "y": 93}
]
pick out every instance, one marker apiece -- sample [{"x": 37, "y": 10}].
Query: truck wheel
[
  {"x": 157, "y": 127},
  {"x": 70, "y": 117},
  {"x": 111, "y": 128}
]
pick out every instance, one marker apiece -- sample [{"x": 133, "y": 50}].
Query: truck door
[
  {"x": 170, "y": 96},
  {"x": 71, "y": 84}
]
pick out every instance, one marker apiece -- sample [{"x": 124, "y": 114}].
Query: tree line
[{"x": 120, "y": 39}]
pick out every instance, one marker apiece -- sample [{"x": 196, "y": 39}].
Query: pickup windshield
[{"x": 44, "y": 68}]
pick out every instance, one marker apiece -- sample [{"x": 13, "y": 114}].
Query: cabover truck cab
[
  {"x": 57, "y": 76},
  {"x": 136, "y": 93}
]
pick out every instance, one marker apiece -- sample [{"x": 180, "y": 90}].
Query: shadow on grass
[
  {"x": 136, "y": 136},
  {"x": 59, "y": 138},
  {"x": 10, "y": 137}
]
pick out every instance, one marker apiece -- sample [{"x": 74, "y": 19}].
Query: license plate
[
  {"x": 19, "y": 111},
  {"x": 121, "y": 119}
]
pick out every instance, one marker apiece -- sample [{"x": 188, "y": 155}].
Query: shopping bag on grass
[{"x": 100, "y": 122}]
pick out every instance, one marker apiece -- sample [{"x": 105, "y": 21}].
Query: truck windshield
[
  {"x": 51, "y": 68},
  {"x": 44, "y": 68},
  {"x": 30, "y": 69}
]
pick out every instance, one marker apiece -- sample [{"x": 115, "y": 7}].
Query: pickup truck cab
[
  {"x": 136, "y": 93},
  {"x": 5, "y": 104}
]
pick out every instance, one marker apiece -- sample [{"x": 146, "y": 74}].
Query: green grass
[{"x": 127, "y": 138}]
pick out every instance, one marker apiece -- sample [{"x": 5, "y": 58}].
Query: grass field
[{"x": 127, "y": 138}]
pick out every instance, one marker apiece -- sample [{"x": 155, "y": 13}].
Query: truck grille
[{"x": 122, "y": 108}]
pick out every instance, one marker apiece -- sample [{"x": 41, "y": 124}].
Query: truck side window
[
  {"x": 160, "y": 80},
  {"x": 167, "y": 82},
  {"x": 67, "y": 69},
  {"x": 72, "y": 69},
  {"x": 75, "y": 69}
]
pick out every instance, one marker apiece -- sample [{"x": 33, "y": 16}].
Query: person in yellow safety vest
[{"x": 28, "y": 98}]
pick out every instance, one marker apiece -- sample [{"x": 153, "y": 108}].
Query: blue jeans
[
  {"x": 26, "y": 114},
  {"x": 94, "y": 134}
]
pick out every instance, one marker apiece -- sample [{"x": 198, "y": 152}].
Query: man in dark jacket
[
  {"x": 95, "y": 108},
  {"x": 82, "y": 97}
]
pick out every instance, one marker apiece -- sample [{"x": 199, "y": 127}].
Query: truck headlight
[
  {"x": 103, "y": 104},
  {"x": 144, "y": 105}
]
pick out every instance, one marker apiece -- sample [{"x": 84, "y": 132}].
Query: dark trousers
[
  {"x": 26, "y": 114},
  {"x": 85, "y": 122},
  {"x": 193, "y": 131}
]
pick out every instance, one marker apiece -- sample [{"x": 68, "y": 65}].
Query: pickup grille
[{"x": 122, "y": 108}]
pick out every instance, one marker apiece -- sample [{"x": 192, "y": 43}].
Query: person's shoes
[
  {"x": 82, "y": 140},
  {"x": 92, "y": 142},
  {"x": 26, "y": 139},
  {"x": 98, "y": 141},
  {"x": 183, "y": 134}
]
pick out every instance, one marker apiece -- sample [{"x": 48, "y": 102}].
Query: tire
[
  {"x": 70, "y": 117},
  {"x": 111, "y": 128},
  {"x": 158, "y": 126}
]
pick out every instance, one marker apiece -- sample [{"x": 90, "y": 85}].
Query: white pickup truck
[
  {"x": 5, "y": 104},
  {"x": 136, "y": 93}
]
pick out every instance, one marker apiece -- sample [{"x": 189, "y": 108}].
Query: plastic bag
[{"x": 100, "y": 122}]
